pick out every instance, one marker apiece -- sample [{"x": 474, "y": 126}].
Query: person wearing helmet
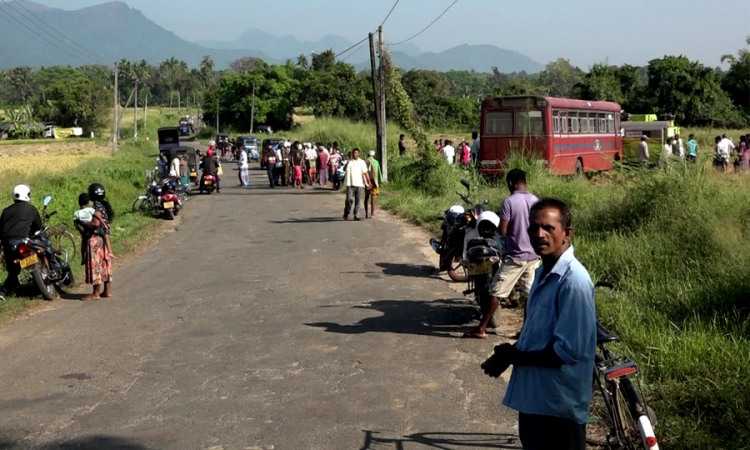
[
  {"x": 210, "y": 166},
  {"x": 520, "y": 260},
  {"x": 17, "y": 222}
]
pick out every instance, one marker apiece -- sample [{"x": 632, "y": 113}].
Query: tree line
[{"x": 695, "y": 94}]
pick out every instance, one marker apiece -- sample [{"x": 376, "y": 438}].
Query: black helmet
[{"x": 96, "y": 192}]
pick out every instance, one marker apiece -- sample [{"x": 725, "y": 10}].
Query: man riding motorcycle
[
  {"x": 17, "y": 222},
  {"x": 210, "y": 166}
]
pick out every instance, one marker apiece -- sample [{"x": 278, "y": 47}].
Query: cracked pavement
[{"x": 263, "y": 322}]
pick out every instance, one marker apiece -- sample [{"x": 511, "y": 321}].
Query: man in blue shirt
[{"x": 554, "y": 357}]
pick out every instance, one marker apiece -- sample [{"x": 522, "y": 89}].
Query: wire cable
[
  {"x": 389, "y": 13},
  {"x": 428, "y": 26},
  {"x": 358, "y": 43},
  {"x": 34, "y": 33},
  {"x": 355, "y": 51},
  {"x": 47, "y": 28}
]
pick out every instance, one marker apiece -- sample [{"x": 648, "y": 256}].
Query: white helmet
[
  {"x": 457, "y": 209},
  {"x": 488, "y": 224},
  {"x": 22, "y": 193}
]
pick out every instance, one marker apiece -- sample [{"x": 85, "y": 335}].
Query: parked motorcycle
[
  {"x": 48, "y": 267},
  {"x": 484, "y": 254},
  {"x": 208, "y": 184},
  {"x": 170, "y": 202},
  {"x": 457, "y": 225},
  {"x": 338, "y": 178}
]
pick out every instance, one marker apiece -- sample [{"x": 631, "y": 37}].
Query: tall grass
[{"x": 677, "y": 246}]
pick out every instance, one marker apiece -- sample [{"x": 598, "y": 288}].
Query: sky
[{"x": 583, "y": 31}]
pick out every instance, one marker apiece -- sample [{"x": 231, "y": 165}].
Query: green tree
[
  {"x": 737, "y": 80},
  {"x": 602, "y": 83},
  {"x": 74, "y": 99},
  {"x": 560, "y": 79}
]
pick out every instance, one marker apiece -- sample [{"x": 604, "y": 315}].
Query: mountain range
[{"x": 36, "y": 35}]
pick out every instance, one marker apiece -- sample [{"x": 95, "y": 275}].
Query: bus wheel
[{"x": 579, "y": 168}]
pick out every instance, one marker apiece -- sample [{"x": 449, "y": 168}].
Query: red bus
[{"x": 569, "y": 136}]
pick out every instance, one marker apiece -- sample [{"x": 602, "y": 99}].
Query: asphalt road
[{"x": 263, "y": 322}]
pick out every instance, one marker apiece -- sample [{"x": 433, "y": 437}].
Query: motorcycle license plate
[
  {"x": 208, "y": 183},
  {"x": 168, "y": 205},
  {"x": 484, "y": 268},
  {"x": 193, "y": 173},
  {"x": 29, "y": 261}
]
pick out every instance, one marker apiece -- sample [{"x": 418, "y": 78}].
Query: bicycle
[{"x": 627, "y": 422}]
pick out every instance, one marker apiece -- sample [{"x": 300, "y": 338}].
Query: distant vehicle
[
  {"x": 249, "y": 144},
  {"x": 169, "y": 137},
  {"x": 569, "y": 136},
  {"x": 264, "y": 129},
  {"x": 186, "y": 126},
  {"x": 266, "y": 142},
  {"x": 223, "y": 145}
]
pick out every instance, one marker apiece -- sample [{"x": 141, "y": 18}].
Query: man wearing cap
[{"x": 373, "y": 168}]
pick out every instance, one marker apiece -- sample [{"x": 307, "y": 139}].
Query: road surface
[{"x": 263, "y": 322}]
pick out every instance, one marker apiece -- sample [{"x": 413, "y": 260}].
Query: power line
[
  {"x": 341, "y": 53},
  {"x": 389, "y": 13},
  {"x": 355, "y": 51},
  {"x": 428, "y": 26},
  {"x": 47, "y": 28},
  {"x": 34, "y": 33}
]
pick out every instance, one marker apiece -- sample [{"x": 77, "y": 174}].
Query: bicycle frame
[{"x": 612, "y": 376}]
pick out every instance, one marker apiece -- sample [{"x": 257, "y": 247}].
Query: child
[{"x": 86, "y": 215}]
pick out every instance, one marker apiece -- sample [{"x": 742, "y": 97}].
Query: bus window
[
  {"x": 584, "y": 122},
  {"x": 529, "y": 123},
  {"x": 556, "y": 120},
  {"x": 572, "y": 122},
  {"x": 592, "y": 122},
  {"x": 564, "y": 121},
  {"x": 610, "y": 123},
  {"x": 499, "y": 123},
  {"x": 602, "y": 122}
]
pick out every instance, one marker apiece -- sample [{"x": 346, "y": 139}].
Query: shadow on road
[
  {"x": 309, "y": 220},
  {"x": 407, "y": 270},
  {"x": 443, "y": 441},
  {"x": 438, "y": 318},
  {"x": 84, "y": 443}
]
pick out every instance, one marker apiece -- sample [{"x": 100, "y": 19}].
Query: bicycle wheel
[
  {"x": 630, "y": 409},
  {"x": 62, "y": 239},
  {"x": 139, "y": 205},
  {"x": 601, "y": 430}
]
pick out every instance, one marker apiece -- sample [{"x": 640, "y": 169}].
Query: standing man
[
  {"x": 520, "y": 260},
  {"x": 373, "y": 167},
  {"x": 692, "y": 146},
  {"x": 449, "y": 153},
  {"x": 475, "y": 147},
  {"x": 356, "y": 180},
  {"x": 17, "y": 222},
  {"x": 270, "y": 159},
  {"x": 554, "y": 357},
  {"x": 643, "y": 151},
  {"x": 401, "y": 145},
  {"x": 322, "y": 165}
]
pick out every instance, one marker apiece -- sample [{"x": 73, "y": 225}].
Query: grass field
[{"x": 676, "y": 245}]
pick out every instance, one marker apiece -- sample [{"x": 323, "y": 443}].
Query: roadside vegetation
[{"x": 66, "y": 170}]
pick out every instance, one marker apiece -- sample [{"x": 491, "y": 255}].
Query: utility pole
[
  {"x": 252, "y": 111},
  {"x": 115, "y": 131},
  {"x": 145, "y": 117},
  {"x": 135, "y": 114},
  {"x": 217, "y": 113},
  {"x": 383, "y": 119},
  {"x": 376, "y": 94}
]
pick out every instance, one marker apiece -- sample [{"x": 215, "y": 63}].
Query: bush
[{"x": 677, "y": 246}]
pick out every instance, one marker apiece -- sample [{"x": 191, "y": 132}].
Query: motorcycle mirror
[
  {"x": 486, "y": 201},
  {"x": 47, "y": 200},
  {"x": 466, "y": 183}
]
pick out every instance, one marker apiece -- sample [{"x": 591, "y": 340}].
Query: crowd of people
[
  {"x": 675, "y": 150},
  {"x": 300, "y": 164},
  {"x": 22, "y": 220},
  {"x": 464, "y": 155}
]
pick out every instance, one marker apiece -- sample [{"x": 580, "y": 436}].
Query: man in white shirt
[
  {"x": 174, "y": 167},
  {"x": 356, "y": 180},
  {"x": 724, "y": 149},
  {"x": 449, "y": 153}
]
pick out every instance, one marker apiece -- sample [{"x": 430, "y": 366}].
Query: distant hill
[
  {"x": 112, "y": 30},
  {"x": 289, "y": 47},
  {"x": 115, "y": 31}
]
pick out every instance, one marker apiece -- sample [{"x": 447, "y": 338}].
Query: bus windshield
[
  {"x": 529, "y": 123},
  {"x": 514, "y": 123}
]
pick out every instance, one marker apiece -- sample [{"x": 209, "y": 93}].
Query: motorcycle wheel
[
  {"x": 169, "y": 214},
  {"x": 40, "y": 274},
  {"x": 457, "y": 271}
]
